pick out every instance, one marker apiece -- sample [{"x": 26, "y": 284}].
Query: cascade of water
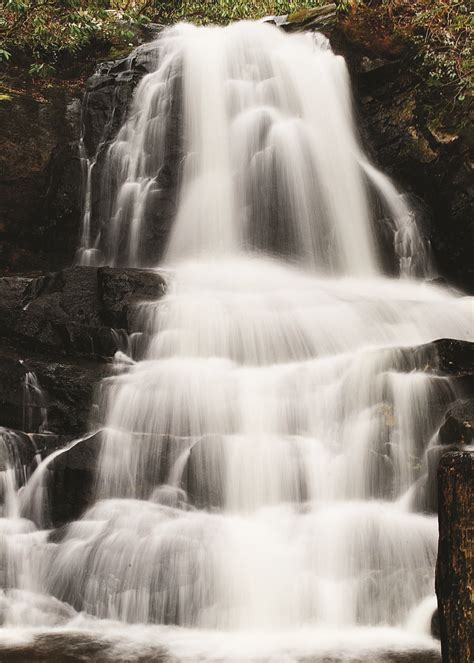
[
  {"x": 9, "y": 507},
  {"x": 270, "y": 159},
  {"x": 256, "y": 465},
  {"x": 35, "y": 411},
  {"x": 87, "y": 254}
]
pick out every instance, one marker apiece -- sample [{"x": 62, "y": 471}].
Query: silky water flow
[{"x": 264, "y": 433}]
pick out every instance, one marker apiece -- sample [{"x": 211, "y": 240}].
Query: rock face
[
  {"x": 40, "y": 178},
  {"x": 455, "y": 568},
  {"x": 68, "y": 386},
  {"x": 64, "y": 327},
  {"x": 434, "y": 166},
  {"x": 74, "y": 310}
]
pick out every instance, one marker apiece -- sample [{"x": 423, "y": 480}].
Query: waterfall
[
  {"x": 35, "y": 412},
  {"x": 254, "y": 490},
  {"x": 270, "y": 160}
]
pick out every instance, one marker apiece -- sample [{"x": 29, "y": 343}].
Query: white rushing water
[{"x": 255, "y": 497}]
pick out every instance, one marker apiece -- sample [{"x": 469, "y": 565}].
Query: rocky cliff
[
  {"x": 40, "y": 175},
  {"x": 403, "y": 125}
]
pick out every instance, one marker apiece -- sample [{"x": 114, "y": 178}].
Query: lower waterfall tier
[{"x": 259, "y": 469}]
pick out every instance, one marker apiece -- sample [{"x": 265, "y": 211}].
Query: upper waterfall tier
[{"x": 258, "y": 127}]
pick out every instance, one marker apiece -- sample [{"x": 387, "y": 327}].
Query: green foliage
[
  {"x": 434, "y": 37},
  {"x": 47, "y": 32},
  {"x": 443, "y": 33},
  {"x": 41, "y": 69},
  {"x": 224, "y": 11},
  {"x": 441, "y": 30}
]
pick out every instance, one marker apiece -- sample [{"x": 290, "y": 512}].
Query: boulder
[{"x": 454, "y": 569}]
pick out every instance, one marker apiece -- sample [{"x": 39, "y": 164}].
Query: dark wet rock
[
  {"x": 434, "y": 627},
  {"x": 454, "y": 570},
  {"x": 58, "y": 326},
  {"x": 14, "y": 295},
  {"x": 69, "y": 390},
  {"x": 448, "y": 357},
  {"x": 72, "y": 476},
  {"x": 12, "y": 378},
  {"x": 63, "y": 312},
  {"x": 68, "y": 386},
  {"x": 73, "y": 310},
  {"x": 441, "y": 357},
  {"x": 455, "y": 357},
  {"x": 458, "y": 426},
  {"x": 122, "y": 289}
]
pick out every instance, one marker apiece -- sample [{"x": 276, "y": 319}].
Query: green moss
[{"x": 117, "y": 52}]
